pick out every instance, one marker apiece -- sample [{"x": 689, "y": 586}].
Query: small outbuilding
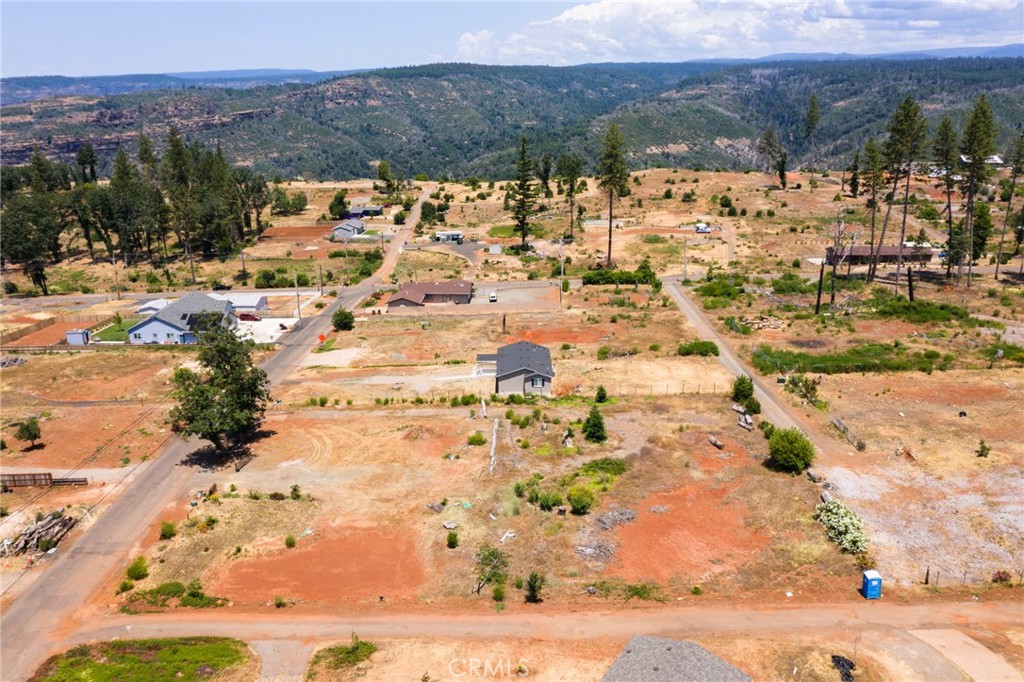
[
  {"x": 521, "y": 367},
  {"x": 871, "y": 585},
  {"x": 655, "y": 659},
  {"x": 245, "y": 302},
  {"x": 365, "y": 211},
  {"x": 77, "y": 337}
]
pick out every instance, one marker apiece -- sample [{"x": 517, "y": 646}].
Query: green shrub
[
  {"x": 603, "y": 352},
  {"x": 289, "y": 541},
  {"x": 790, "y": 450},
  {"x": 702, "y": 348},
  {"x": 697, "y": 590},
  {"x": 742, "y": 388},
  {"x": 752, "y": 405},
  {"x": 138, "y": 569},
  {"x": 279, "y": 602},
  {"x": 642, "y": 591},
  {"x": 337, "y": 657},
  {"x": 581, "y": 499},
  {"x": 601, "y": 396},
  {"x": 125, "y": 586},
  {"x": 168, "y": 530},
  {"x": 453, "y": 539},
  {"x": 343, "y": 320},
  {"x": 610, "y": 466},
  {"x": 476, "y": 439},
  {"x": 549, "y": 500},
  {"x": 534, "y": 585},
  {"x": 498, "y": 593}
]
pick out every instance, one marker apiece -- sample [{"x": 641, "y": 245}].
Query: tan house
[
  {"x": 426, "y": 293},
  {"x": 521, "y": 367}
]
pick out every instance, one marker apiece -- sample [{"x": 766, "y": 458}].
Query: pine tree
[
  {"x": 593, "y": 427},
  {"x": 524, "y": 193},
  {"x": 1015, "y": 157},
  {"x": 612, "y": 174},
  {"x": 976, "y": 146},
  {"x": 855, "y": 175},
  {"x": 944, "y": 154},
  {"x": 569, "y": 169},
  {"x": 811, "y": 123}
]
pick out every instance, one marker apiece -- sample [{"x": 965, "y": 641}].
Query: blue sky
[{"x": 88, "y": 38}]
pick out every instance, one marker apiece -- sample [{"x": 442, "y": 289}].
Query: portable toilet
[{"x": 871, "y": 587}]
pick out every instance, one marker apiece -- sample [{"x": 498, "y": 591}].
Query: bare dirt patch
[
  {"x": 345, "y": 564},
  {"x": 699, "y": 534}
]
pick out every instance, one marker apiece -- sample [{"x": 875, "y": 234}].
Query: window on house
[
  {"x": 538, "y": 382},
  {"x": 137, "y": 335},
  {"x": 170, "y": 336}
]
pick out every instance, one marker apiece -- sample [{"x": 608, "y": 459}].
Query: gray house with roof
[
  {"x": 177, "y": 322},
  {"x": 521, "y": 367}
]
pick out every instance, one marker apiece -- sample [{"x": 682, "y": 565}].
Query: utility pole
[
  {"x": 298, "y": 306},
  {"x": 821, "y": 280},
  {"x": 320, "y": 277},
  {"x": 245, "y": 275},
  {"x": 117, "y": 285},
  {"x": 685, "y": 276}
]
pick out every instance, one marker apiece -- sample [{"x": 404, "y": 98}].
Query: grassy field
[{"x": 151, "y": 660}]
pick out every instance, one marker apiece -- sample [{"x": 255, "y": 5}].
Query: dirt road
[
  {"x": 27, "y": 626},
  {"x": 287, "y": 639}
]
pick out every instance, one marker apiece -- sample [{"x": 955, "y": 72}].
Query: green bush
[
  {"x": 581, "y": 499},
  {"x": 610, "y": 466},
  {"x": 603, "y": 352},
  {"x": 498, "y": 593},
  {"x": 702, "y": 348},
  {"x": 343, "y": 320},
  {"x": 742, "y": 388},
  {"x": 534, "y": 585},
  {"x": 289, "y": 541},
  {"x": 337, "y": 657},
  {"x": 601, "y": 396},
  {"x": 453, "y": 539},
  {"x": 476, "y": 439},
  {"x": 549, "y": 500},
  {"x": 752, "y": 405},
  {"x": 138, "y": 569},
  {"x": 790, "y": 450},
  {"x": 168, "y": 530}
]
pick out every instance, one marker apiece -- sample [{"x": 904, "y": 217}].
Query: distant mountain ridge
[
  {"x": 14, "y": 90},
  {"x": 460, "y": 120}
]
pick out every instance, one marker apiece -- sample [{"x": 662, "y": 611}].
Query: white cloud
[{"x": 621, "y": 30}]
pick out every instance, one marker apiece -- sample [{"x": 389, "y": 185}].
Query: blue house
[{"x": 177, "y": 322}]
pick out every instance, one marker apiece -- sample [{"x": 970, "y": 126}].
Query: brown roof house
[
  {"x": 859, "y": 255},
  {"x": 521, "y": 367},
  {"x": 426, "y": 293}
]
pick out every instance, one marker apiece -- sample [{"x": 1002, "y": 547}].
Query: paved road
[{"x": 27, "y": 626}]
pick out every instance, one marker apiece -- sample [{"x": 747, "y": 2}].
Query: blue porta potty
[{"x": 871, "y": 587}]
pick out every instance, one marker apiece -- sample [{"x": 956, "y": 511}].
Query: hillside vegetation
[{"x": 462, "y": 119}]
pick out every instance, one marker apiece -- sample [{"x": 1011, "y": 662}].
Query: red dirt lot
[
  {"x": 354, "y": 564},
  {"x": 547, "y": 336},
  {"x": 47, "y": 336},
  {"x": 699, "y": 535},
  {"x": 294, "y": 234}
]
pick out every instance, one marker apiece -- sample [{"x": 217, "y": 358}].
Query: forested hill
[{"x": 461, "y": 119}]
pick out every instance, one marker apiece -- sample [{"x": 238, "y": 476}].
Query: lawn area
[
  {"x": 117, "y": 331},
  {"x": 148, "y": 660}
]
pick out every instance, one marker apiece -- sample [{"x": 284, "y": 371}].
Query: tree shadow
[
  {"x": 209, "y": 458},
  {"x": 34, "y": 447}
]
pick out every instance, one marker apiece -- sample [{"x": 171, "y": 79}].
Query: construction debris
[
  {"x": 659, "y": 509},
  {"x": 609, "y": 520},
  {"x": 597, "y": 552},
  {"x": 450, "y": 525},
  {"x": 745, "y": 422},
  {"x": 814, "y": 476},
  {"x": 764, "y": 322},
  {"x": 845, "y": 667},
  {"x": 435, "y": 507},
  {"x": 7, "y": 361},
  {"x": 717, "y": 443},
  {"x": 41, "y": 536}
]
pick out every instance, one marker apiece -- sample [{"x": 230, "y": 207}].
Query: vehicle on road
[
  {"x": 249, "y": 317},
  {"x": 493, "y": 297}
]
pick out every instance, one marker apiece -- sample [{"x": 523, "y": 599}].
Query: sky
[{"x": 90, "y": 38}]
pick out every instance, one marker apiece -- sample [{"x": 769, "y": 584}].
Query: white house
[
  {"x": 177, "y": 322},
  {"x": 347, "y": 229},
  {"x": 150, "y": 307},
  {"x": 244, "y": 302}
]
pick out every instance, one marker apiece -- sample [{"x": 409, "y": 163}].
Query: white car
[{"x": 493, "y": 297}]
